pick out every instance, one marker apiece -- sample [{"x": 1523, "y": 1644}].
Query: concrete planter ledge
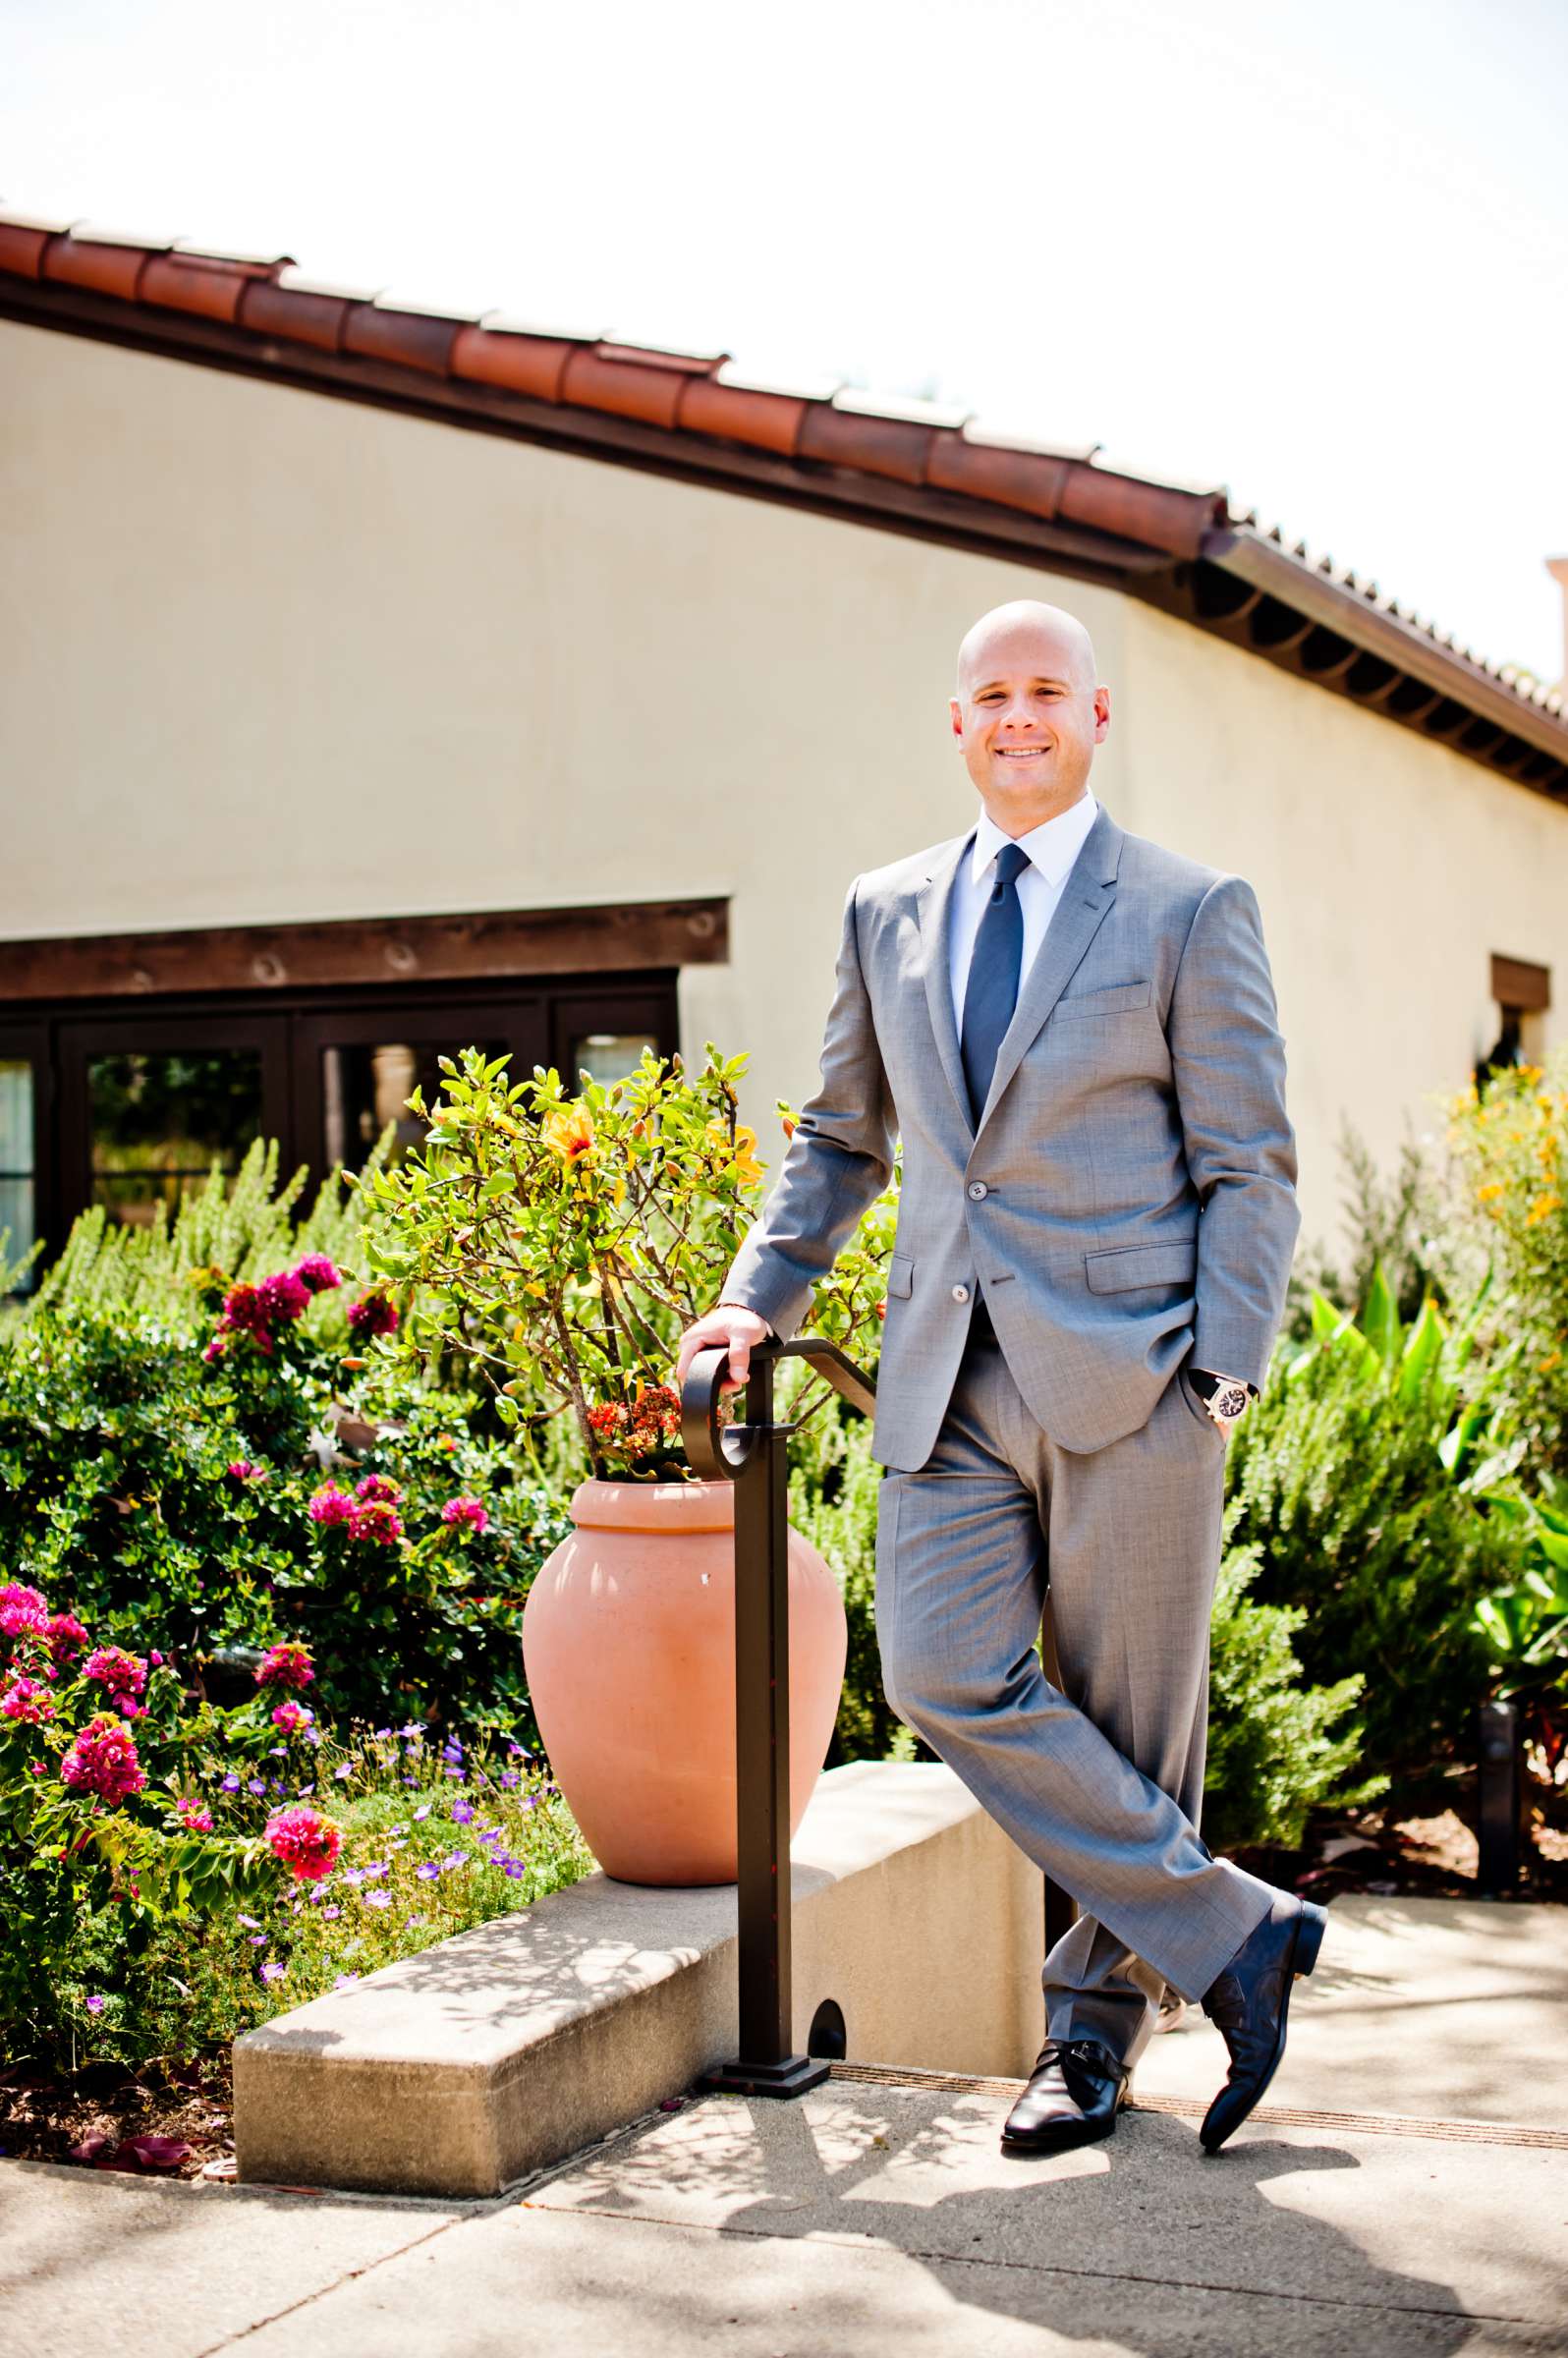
[{"x": 497, "y": 2052}]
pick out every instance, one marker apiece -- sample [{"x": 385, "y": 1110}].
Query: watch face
[{"x": 1229, "y": 1402}]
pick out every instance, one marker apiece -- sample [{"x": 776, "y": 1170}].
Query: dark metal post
[
  {"x": 1500, "y": 1798},
  {"x": 754, "y": 1456}
]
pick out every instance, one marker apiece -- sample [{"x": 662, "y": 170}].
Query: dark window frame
[{"x": 292, "y": 1028}]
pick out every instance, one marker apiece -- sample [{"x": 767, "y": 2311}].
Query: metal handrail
[{"x": 754, "y": 1456}]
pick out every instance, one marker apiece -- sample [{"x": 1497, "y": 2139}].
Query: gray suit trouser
[{"x": 1100, "y": 1781}]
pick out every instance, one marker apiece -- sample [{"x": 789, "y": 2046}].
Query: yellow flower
[
  {"x": 1554, "y": 1360},
  {"x": 1541, "y": 1210},
  {"x": 569, "y": 1132},
  {"x": 742, "y": 1154},
  {"x": 1490, "y": 1192}
]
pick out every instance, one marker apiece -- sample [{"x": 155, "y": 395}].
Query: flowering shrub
[
  {"x": 306, "y": 1843},
  {"x": 173, "y": 1501},
  {"x": 1500, "y": 1243},
  {"x": 560, "y": 1244}
]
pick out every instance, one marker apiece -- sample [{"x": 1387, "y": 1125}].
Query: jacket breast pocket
[
  {"x": 901, "y": 1275},
  {"x": 1115, "y": 998},
  {"x": 1127, "y": 1266}
]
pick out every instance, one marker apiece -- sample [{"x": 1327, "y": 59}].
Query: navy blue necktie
[{"x": 991, "y": 992}]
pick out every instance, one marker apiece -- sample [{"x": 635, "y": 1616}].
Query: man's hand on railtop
[{"x": 727, "y": 1323}]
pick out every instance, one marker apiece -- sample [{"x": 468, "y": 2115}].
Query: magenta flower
[
  {"x": 246, "y": 1313},
  {"x": 306, "y": 1842},
  {"x": 468, "y": 1511},
  {"x": 194, "y": 1814},
  {"x": 243, "y": 1470},
  {"x": 331, "y": 1505},
  {"x": 285, "y": 1297},
  {"x": 216, "y": 1349},
  {"x": 22, "y": 1612},
  {"x": 378, "y": 1487},
  {"x": 27, "y": 1700},
  {"x": 317, "y": 1274},
  {"x": 95, "y": 2003},
  {"x": 372, "y": 1314},
  {"x": 287, "y": 1665},
  {"x": 377, "y": 1523},
  {"x": 124, "y": 1673},
  {"x": 66, "y": 1636},
  {"x": 103, "y": 1761},
  {"x": 291, "y": 1716}
]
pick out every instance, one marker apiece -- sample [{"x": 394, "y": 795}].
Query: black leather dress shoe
[
  {"x": 1074, "y": 2094},
  {"x": 1250, "y": 2001}
]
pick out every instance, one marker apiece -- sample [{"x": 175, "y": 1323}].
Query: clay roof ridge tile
[
  {"x": 984, "y": 435},
  {"x": 736, "y": 377},
  {"x": 295, "y": 281},
  {"x": 96, "y": 232},
  {"x": 392, "y": 298},
  {"x": 611, "y": 347},
  {"x": 45, "y": 223},
  {"x": 512, "y": 323},
  {"x": 1106, "y": 461},
  {"x": 901, "y": 408},
  {"x": 193, "y": 249}
]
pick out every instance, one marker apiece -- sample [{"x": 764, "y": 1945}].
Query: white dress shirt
[{"x": 1051, "y": 849}]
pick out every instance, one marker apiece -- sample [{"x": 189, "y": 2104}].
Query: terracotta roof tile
[
  {"x": 23, "y": 239},
  {"x": 105, "y": 260},
  {"x": 703, "y": 397}
]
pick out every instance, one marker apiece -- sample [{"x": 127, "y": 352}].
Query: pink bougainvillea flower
[
  {"x": 287, "y": 1665},
  {"x": 111, "y": 1666},
  {"x": 244, "y": 1469},
  {"x": 245, "y": 1311},
  {"x": 27, "y": 1700},
  {"x": 306, "y": 1842},
  {"x": 66, "y": 1636},
  {"x": 372, "y": 1314},
  {"x": 378, "y": 1487},
  {"x": 471, "y": 1512},
  {"x": 216, "y": 1349},
  {"x": 194, "y": 1814},
  {"x": 103, "y": 1761},
  {"x": 331, "y": 1505},
  {"x": 23, "y": 1612},
  {"x": 291, "y": 1716},
  {"x": 285, "y": 1297},
  {"x": 377, "y": 1523},
  {"x": 317, "y": 1274}
]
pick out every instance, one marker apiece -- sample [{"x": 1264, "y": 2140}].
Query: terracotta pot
[{"x": 629, "y": 1646}]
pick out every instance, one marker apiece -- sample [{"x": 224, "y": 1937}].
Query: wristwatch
[{"x": 1225, "y": 1397}]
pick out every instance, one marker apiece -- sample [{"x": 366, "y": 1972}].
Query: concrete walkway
[{"x": 1405, "y": 2190}]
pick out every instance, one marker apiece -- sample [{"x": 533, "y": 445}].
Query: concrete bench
[{"x": 458, "y": 2071}]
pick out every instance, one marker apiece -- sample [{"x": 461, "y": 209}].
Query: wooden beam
[
  {"x": 1515, "y": 983},
  {"x": 490, "y": 945}
]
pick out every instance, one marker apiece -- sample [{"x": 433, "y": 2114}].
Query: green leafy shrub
[
  {"x": 1353, "y": 1480},
  {"x": 1277, "y": 1747}
]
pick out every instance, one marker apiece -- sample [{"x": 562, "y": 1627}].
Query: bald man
[{"x": 1074, "y": 1032}]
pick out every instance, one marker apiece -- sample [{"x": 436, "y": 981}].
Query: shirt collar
[{"x": 1051, "y": 847}]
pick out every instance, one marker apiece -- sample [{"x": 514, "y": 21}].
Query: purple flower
[
  {"x": 510, "y": 1777},
  {"x": 95, "y": 2003},
  {"x": 231, "y": 1784},
  {"x": 377, "y": 1899},
  {"x": 253, "y": 1922},
  {"x": 273, "y": 1970},
  {"x": 428, "y": 1871},
  {"x": 259, "y": 1940},
  {"x": 456, "y": 1858},
  {"x": 255, "y": 1784},
  {"x": 343, "y": 1978},
  {"x": 512, "y": 1867},
  {"x": 462, "y": 1811},
  {"x": 334, "y": 1911},
  {"x": 345, "y": 1769},
  {"x": 424, "y": 1812}
]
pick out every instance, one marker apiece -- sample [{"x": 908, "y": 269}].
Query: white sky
[{"x": 1314, "y": 249}]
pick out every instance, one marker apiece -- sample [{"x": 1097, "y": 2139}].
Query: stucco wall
[{"x": 270, "y": 657}]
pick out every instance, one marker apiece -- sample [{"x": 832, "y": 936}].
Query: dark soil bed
[{"x": 105, "y": 2118}]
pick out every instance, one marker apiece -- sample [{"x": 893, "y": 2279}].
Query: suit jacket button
[
  {"x": 961, "y": 1293},
  {"x": 977, "y": 1190}
]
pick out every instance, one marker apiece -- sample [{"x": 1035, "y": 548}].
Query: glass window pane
[
  {"x": 363, "y": 1088},
  {"x": 16, "y": 1117},
  {"x": 608, "y": 1057},
  {"x": 161, "y": 1121}
]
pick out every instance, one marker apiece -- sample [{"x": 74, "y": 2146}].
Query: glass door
[{"x": 149, "y": 1109}]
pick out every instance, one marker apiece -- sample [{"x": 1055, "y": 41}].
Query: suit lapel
[
  {"x": 1086, "y": 894},
  {"x": 933, "y": 906}
]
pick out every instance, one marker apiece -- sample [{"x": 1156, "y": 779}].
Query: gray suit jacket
[{"x": 1128, "y": 1195}]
